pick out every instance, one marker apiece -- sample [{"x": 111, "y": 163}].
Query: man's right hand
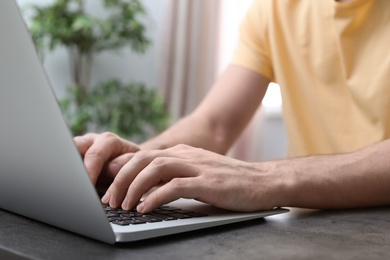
[{"x": 106, "y": 153}]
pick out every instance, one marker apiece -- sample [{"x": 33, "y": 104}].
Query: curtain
[{"x": 189, "y": 57}]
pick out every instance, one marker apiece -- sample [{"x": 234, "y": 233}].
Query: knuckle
[
  {"x": 140, "y": 155},
  {"x": 187, "y": 149},
  {"x": 181, "y": 147},
  {"x": 93, "y": 154},
  {"x": 88, "y": 135},
  {"x": 158, "y": 162},
  {"x": 108, "y": 135},
  {"x": 177, "y": 185}
]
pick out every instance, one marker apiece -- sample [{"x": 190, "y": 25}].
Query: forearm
[
  {"x": 192, "y": 130},
  {"x": 221, "y": 116},
  {"x": 358, "y": 179}
]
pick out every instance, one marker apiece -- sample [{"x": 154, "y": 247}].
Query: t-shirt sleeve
[{"x": 252, "y": 51}]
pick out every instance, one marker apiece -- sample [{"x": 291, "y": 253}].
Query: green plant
[{"x": 129, "y": 109}]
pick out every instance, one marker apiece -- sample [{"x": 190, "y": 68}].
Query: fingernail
[
  {"x": 125, "y": 204},
  {"x": 140, "y": 207},
  {"x": 113, "y": 202},
  {"x": 106, "y": 197}
]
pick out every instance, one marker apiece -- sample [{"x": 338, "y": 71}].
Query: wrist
[
  {"x": 285, "y": 178},
  {"x": 276, "y": 184}
]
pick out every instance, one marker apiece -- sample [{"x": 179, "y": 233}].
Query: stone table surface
[{"x": 299, "y": 234}]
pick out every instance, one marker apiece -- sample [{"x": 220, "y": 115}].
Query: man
[{"x": 332, "y": 61}]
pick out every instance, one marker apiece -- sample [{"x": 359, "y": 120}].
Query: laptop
[{"x": 42, "y": 175}]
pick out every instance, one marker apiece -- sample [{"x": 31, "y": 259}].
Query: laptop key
[
  {"x": 163, "y": 212},
  {"x": 148, "y": 219},
  {"x": 111, "y": 219},
  {"x": 131, "y": 215},
  {"x": 161, "y": 216},
  {"x": 112, "y": 214},
  {"x": 180, "y": 216},
  {"x": 196, "y": 214},
  {"x": 135, "y": 221},
  {"x": 120, "y": 223}
]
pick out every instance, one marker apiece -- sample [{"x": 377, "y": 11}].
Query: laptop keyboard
[{"x": 123, "y": 217}]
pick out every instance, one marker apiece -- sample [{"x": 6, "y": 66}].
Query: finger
[
  {"x": 161, "y": 169},
  {"x": 84, "y": 142},
  {"x": 117, "y": 190},
  {"x": 175, "y": 189},
  {"x": 114, "y": 166},
  {"x": 105, "y": 147},
  {"x": 110, "y": 170}
]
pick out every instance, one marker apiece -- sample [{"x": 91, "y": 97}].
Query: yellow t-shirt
[{"x": 332, "y": 61}]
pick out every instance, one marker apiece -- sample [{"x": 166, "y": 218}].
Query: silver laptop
[{"x": 42, "y": 175}]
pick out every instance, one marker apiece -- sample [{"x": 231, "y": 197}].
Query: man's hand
[
  {"x": 189, "y": 172},
  {"x": 104, "y": 152},
  {"x": 356, "y": 179}
]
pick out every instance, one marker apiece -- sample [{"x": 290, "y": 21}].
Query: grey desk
[{"x": 300, "y": 234}]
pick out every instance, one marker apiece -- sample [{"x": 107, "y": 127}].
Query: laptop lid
[{"x": 42, "y": 173}]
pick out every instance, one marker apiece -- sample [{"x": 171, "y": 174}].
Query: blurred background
[{"x": 176, "y": 50}]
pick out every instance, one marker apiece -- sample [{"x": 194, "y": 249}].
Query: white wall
[{"x": 123, "y": 65}]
